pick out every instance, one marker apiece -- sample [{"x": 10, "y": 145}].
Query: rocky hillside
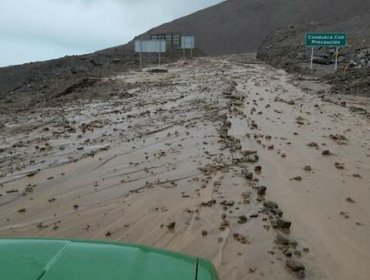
[
  {"x": 285, "y": 49},
  {"x": 237, "y": 26}
]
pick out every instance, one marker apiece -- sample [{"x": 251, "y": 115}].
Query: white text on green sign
[{"x": 326, "y": 39}]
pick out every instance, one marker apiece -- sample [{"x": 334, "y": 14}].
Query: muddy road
[{"x": 260, "y": 171}]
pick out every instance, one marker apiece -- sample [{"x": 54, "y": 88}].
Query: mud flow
[{"x": 258, "y": 170}]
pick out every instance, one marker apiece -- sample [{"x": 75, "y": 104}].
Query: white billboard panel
[
  {"x": 150, "y": 46},
  {"x": 187, "y": 42}
]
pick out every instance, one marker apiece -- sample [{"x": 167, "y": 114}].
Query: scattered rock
[
  {"x": 227, "y": 203},
  {"x": 171, "y": 226},
  {"x": 240, "y": 238},
  {"x": 307, "y": 168},
  {"x": 261, "y": 190},
  {"x": 281, "y": 240},
  {"x": 339, "y": 165},
  {"x": 350, "y": 200},
  {"x": 242, "y": 219},
  {"x": 282, "y": 223},
  {"x": 295, "y": 265}
]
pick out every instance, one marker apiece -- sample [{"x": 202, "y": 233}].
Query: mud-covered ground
[{"x": 260, "y": 171}]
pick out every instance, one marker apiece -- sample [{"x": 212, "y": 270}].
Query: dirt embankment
[
  {"x": 263, "y": 173},
  {"x": 29, "y": 84}
]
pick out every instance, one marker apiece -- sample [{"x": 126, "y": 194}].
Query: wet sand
[{"x": 179, "y": 160}]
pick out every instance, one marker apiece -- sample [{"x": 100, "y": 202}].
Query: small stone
[
  {"x": 270, "y": 204},
  {"x": 242, "y": 219},
  {"x": 307, "y": 168},
  {"x": 297, "y": 178},
  {"x": 108, "y": 234},
  {"x": 350, "y": 200},
  {"x": 326, "y": 153},
  {"x": 228, "y": 203},
  {"x": 209, "y": 203},
  {"x": 261, "y": 190},
  {"x": 258, "y": 168},
  {"x": 281, "y": 240},
  {"x": 204, "y": 232},
  {"x": 295, "y": 265},
  {"x": 283, "y": 223},
  {"x": 312, "y": 144},
  {"x": 171, "y": 226},
  {"x": 23, "y": 210}
]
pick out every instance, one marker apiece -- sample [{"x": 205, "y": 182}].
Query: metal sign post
[
  {"x": 326, "y": 40},
  {"x": 311, "y": 67},
  {"x": 336, "y": 58},
  {"x": 141, "y": 60}
]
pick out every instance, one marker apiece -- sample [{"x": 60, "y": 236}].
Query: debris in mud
[
  {"x": 240, "y": 238},
  {"x": 296, "y": 178},
  {"x": 339, "y": 139},
  {"x": 12, "y": 191},
  {"x": 209, "y": 203},
  {"x": 326, "y": 153},
  {"x": 339, "y": 165},
  {"x": 295, "y": 266},
  {"x": 313, "y": 145},
  {"x": 350, "y": 200},
  {"x": 261, "y": 190},
  {"x": 281, "y": 240},
  {"x": 171, "y": 227},
  {"x": 242, "y": 219},
  {"x": 22, "y": 210},
  {"x": 157, "y": 70},
  {"x": 108, "y": 233},
  {"x": 32, "y": 173},
  {"x": 282, "y": 223},
  {"x": 228, "y": 203},
  {"x": 307, "y": 168},
  {"x": 204, "y": 232}
]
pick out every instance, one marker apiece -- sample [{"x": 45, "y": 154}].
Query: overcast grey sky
[{"x": 32, "y": 30}]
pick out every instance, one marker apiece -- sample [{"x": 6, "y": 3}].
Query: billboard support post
[
  {"x": 141, "y": 61},
  {"x": 336, "y": 58},
  {"x": 311, "y": 66}
]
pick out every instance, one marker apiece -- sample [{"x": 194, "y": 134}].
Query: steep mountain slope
[{"x": 236, "y": 26}]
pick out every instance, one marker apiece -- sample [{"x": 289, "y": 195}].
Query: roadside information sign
[
  {"x": 336, "y": 40},
  {"x": 150, "y": 46},
  {"x": 326, "y": 39},
  {"x": 187, "y": 42}
]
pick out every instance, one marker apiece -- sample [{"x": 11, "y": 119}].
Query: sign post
[
  {"x": 311, "y": 67},
  {"x": 337, "y": 40}
]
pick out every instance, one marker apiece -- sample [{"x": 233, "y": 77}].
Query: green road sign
[{"x": 326, "y": 39}]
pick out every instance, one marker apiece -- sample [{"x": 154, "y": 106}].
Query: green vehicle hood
[{"x": 34, "y": 259}]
